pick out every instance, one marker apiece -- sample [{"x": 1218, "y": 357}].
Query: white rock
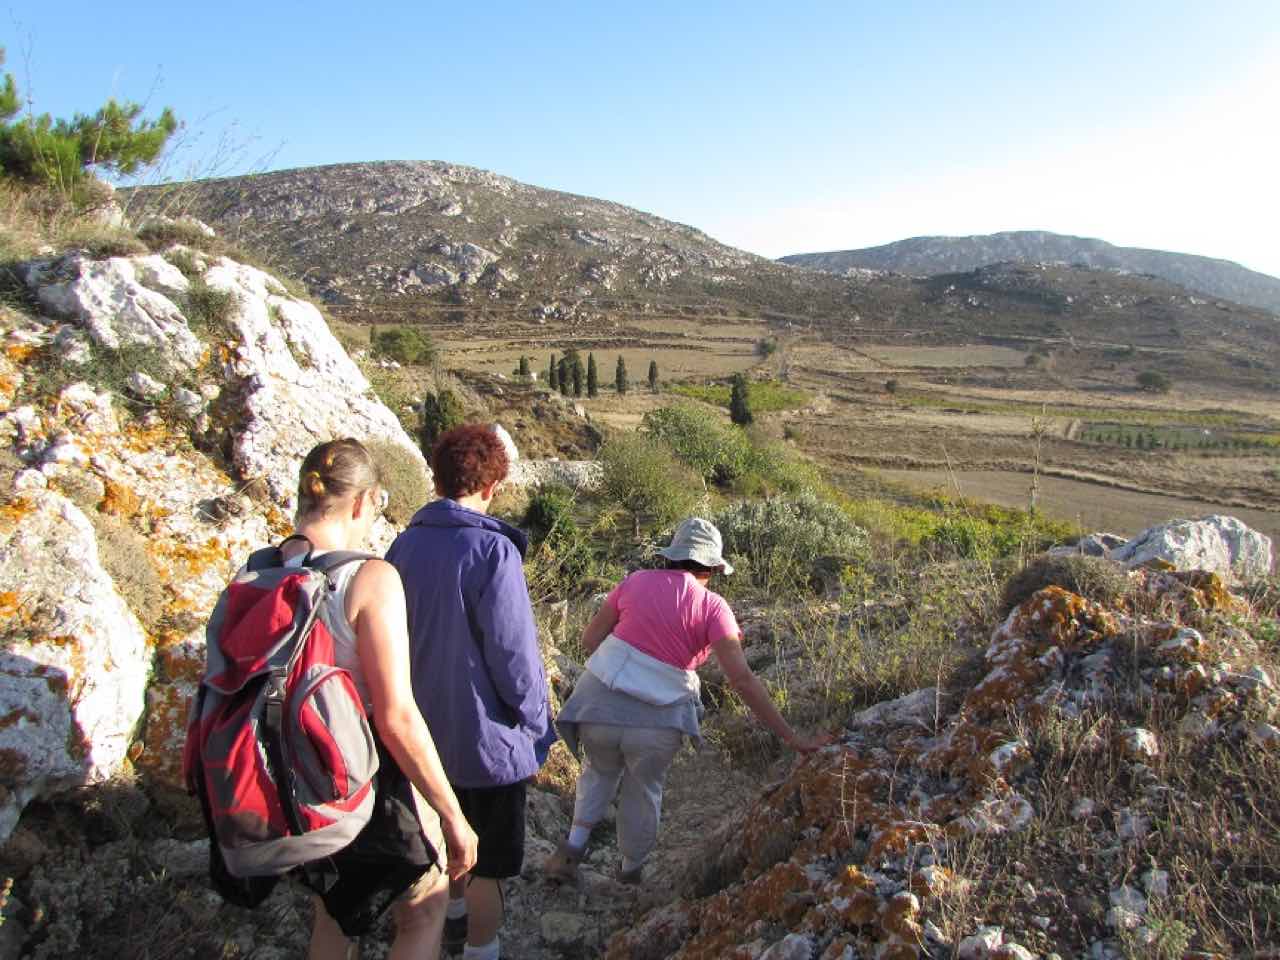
[
  {"x": 1129, "y": 898},
  {"x": 576, "y": 474},
  {"x": 1156, "y": 883},
  {"x": 1259, "y": 678},
  {"x": 29, "y": 481},
  {"x": 1197, "y": 725},
  {"x": 1219, "y": 544},
  {"x": 794, "y": 946},
  {"x": 1264, "y": 734},
  {"x": 110, "y": 301},
  {"x": 919, "y": 708},
  {"x": 980, "y": 945},
  {"x": 996, "y": 815},
  {"x": 72, "y": 677},
  {"x": 73, "y": 346},
  {"x": 1139, "y": 743},
  {"x": 1131, "y": 825},
  {"x": 1119, "y": 918},
  {"x": 142, "y": 385},
  {"x": 65, "y": 450},
  {"x": 1083, "y": 808},
  {"x": 189, "y": 403},
  {"x": 1012, "y": 951}
]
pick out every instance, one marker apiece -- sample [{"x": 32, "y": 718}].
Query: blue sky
[{"x": 779, "y": 128}]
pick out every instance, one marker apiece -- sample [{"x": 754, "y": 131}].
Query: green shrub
[
  {"x": 1153, "y": 381},
  {"x": 403, "y": 345},
  {"x": 209, "y": 309},
  {"x": 161, "y": 235},
  {"x": 1093, "y": 578},
  {"x": 642, "y": 477},
  {"x": 715, "y": 450},
  {"x": 785, "y": 544},
  {"x": 562, "y": 552},
  {"x": 441, "y": 412},
  {"x": 403, "y": 476},
  {"x": 739, "y": 403}
]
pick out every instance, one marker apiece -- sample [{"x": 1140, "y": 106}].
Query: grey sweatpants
[{"x": 637, "y": 758}]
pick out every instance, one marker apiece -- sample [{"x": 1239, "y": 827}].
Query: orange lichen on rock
[
  {"x": 12, "y": 511},
  {"x": 194, "y": 558},
  {"x": 119, "y": 501},
  {"x": 724, "y": 922}
]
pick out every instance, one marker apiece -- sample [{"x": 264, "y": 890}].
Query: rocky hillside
[
  {"x": 422, "y": 233},
  {"x": 927, "y": 256},
  {"x": 465, "y": 251}
]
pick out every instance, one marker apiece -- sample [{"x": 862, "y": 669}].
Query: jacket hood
[{"x": 449, "y": 513}]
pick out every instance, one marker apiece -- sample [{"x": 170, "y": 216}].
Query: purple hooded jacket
[{"x": 476, "y": 670}]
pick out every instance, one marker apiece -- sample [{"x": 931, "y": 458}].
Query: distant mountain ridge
[{"x": 929, "y": 256}]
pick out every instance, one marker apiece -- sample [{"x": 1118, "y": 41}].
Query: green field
[{"x": 764, "y": 396}]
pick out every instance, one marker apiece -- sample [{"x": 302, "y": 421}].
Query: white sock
[
  {"x": 629, "y": 864},
  {"x": 457, "y": 908},
  {"x": 490, "y": 951},
  {"x": 578, "y": 837}
]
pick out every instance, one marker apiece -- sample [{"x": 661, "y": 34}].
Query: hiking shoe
[
  {"x": 564, "y": 863},
  {"x": 630, "y": 877},
  {"x": 455, "y": 935}
]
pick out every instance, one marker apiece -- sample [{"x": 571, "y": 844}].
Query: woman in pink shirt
[{"x": 639, "y": 696}]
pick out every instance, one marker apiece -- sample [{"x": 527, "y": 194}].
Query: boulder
[
  {"x": 296, "y": 386},
  {"x": 75, "y": 665},
  {"x": 1217, "y": 544},
  {"x": 117, "y": 302}
]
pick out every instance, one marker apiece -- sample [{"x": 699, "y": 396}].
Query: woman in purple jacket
[{"x": 476, "y": 670}]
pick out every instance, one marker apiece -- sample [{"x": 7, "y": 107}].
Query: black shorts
[
  {"x": 387, "y": 857},
  {"x": 496, "y": 814}
]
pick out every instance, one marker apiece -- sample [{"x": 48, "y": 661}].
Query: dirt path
[{"x": 548, "y": 921}]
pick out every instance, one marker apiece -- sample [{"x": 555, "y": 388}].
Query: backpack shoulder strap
[{"x": 329, "y": 563}]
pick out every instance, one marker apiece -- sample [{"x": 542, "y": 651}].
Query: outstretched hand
[{"x": 803, "y": 744}]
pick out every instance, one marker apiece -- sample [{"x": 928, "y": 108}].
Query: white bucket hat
[{"x": 698, "y": 540}]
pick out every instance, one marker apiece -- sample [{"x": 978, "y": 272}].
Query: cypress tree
[
  {"x": 593, "y": 379},
  {"x": 653, "y": 376},
  {"x": 523, "y": 369},
  {"x": 739, "y": 406},
  {"x": 563, "y": 373},
  {"x": 620, "y": 376},
  {"x": 553, "y": 374},
  {"x": 578, "y": 375}
]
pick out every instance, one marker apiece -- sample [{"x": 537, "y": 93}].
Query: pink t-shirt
[{"x": 670, "y": 616}]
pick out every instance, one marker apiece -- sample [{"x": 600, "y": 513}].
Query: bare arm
[
  {"x": 733, "y": 662},
  {"x": 601, "y": 625},
  {"x": 376, "y": 607}
]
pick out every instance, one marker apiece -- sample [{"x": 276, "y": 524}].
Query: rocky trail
[{"x": 550, "y": 921}]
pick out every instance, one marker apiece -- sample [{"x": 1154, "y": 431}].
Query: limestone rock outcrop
[
  {"x": 1217, "y": 544},
  {"x": 157, "y": 419}
]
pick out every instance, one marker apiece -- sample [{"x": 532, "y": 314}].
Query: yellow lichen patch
[
  {"x": 277, "y": 522},
  {"x": 168, "y": 706},
  {"x": 12, "y": 511},
  {"x": 10, "y": 605},
  {"x": 932, "y": 881},
  {"x": 195, "y": 559},
  {"x": 896, "y": 837},
  {"x": 900, "y": 922},
  {"x": 20, "y": 352},
  {"x": 119, "y": 501}
]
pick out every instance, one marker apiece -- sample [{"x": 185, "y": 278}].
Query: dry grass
[{"x": 404, "y": 477}]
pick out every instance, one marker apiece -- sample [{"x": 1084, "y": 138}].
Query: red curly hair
[{"x": 467, "y": 459}]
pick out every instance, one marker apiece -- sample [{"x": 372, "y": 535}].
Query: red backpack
[{"x": 279, "y": 749}]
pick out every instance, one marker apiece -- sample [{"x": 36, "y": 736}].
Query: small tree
[
  {"x": 403, "y": 345},
  {"x": 576, "y": 372},
  {"x": 642, "y": 477},
  {"x": 1153, "y": 381},
  {"x": 441, "y": 412},
  {"x": 653, "y": 376},
  {"x": 739, "y": 404},
  {"x": 891, "y": 386},
  {"x": 60, "y": 153},
  {"x": 620, "y": 376},
  {"x": 522, "y": 370},
  {"x": 593, "y": 378},
  {"x": 553, "y": 374},
  {"x": 565, "y": 375}
]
